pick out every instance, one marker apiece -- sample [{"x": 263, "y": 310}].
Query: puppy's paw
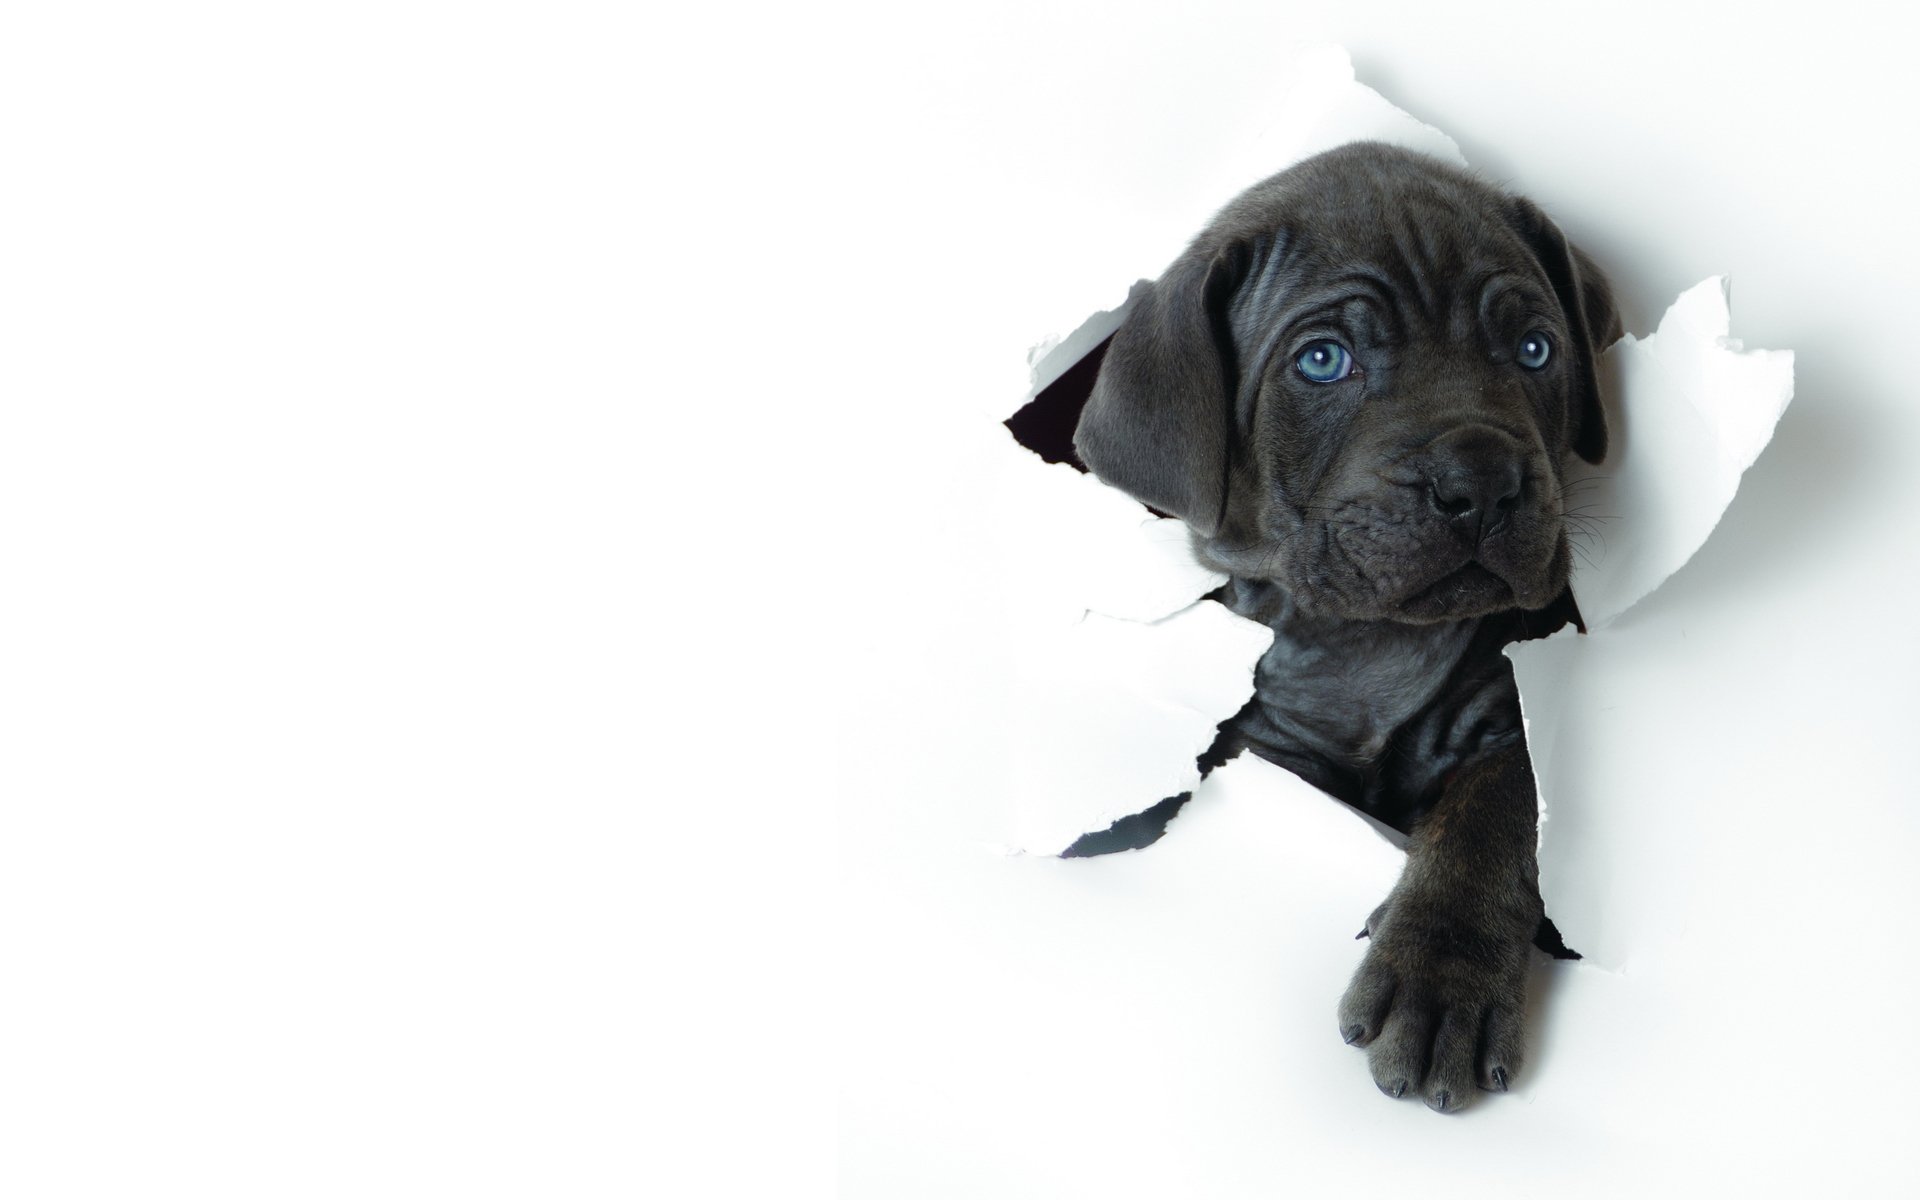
[{"x": 1439, "y": 1002}]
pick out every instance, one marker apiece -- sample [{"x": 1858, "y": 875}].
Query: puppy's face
[{"x": 1360, "y": 382}]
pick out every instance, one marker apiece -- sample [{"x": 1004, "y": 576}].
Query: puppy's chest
[
  {"x": 1366, "y": 710},
  {"x": 1345, "y": 694}
]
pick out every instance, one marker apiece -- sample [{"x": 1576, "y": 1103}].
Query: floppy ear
[
  {"x": 1591, "y": 316},
  {"x": 1156, "y": 426}
]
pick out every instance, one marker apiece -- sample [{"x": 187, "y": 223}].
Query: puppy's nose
[{"x": 1475, "y": 477}]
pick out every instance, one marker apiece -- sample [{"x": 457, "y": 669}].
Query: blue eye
[
  {"x": 1325, "y": 362},
  {"x": 1535, "y": 350}
]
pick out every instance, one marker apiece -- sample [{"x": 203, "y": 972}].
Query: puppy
[{"x": 1357, "y": 387}]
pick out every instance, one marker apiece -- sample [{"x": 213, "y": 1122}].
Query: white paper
[
  {"x": 1110, "y": 719},
  {"x": 1120, "y": 672},
  {"x": 1690, "y": 411},
  {"x": 1693, "y": 410},
  {"x": 1073, "y": 545}
]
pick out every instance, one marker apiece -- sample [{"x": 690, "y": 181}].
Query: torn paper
[
  {"x": 1121, "y": 672},
  {"x": 1691, "y": 411},
  {"x": 1074, "y": 545},
  {"x": 1323, "y": 106},
  {"x": 1111, "y": 720},
  {"x": 1116, "y": 697}
]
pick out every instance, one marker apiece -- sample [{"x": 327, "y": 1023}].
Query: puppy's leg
[{"x": 1440, "y": 998}]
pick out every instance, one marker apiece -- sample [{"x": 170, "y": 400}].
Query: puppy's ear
[
  {"x": 1156, "y": 426},
  {"x": 1591, "y": 316}
]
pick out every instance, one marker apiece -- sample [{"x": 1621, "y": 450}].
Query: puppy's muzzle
[{"x": 1474, "y": 477}]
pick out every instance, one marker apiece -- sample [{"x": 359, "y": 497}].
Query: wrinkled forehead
[{"x": 1388, "y": 273}]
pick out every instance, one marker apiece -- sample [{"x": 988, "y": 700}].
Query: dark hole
[
  {"x": 1548, "y": 938},
  {"x": 1144, "y": 828},
  {"x": 1046, "y": 423},
  {"x": 1550, "y": 620},
  {"x": 1129, "y": 833}
]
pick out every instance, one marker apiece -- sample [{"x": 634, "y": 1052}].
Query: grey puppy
[{"x": 1357, "y": 387}]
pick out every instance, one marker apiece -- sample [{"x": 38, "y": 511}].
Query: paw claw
[{"x": 1438, "y": 999}]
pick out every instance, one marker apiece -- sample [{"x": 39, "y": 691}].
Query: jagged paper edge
[
  {"x": 1704, "y": 307},
  {"x": 1691, "y": 409}
]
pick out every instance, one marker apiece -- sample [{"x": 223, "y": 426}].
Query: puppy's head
[{"x": 1360, "y": 381}]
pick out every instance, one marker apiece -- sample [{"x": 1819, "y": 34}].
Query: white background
[{"x": 466, "y": 469}]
